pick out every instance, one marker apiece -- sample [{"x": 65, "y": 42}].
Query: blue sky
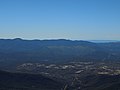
[{"x": 55, "y": 19}]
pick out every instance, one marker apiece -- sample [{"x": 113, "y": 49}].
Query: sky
[{"x": 60, "y": 19}]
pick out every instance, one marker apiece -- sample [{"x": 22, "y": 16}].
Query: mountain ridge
[{"x": 14, "y": 51}]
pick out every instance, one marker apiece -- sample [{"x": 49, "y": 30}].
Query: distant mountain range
[{"x": 15, "y": 51}]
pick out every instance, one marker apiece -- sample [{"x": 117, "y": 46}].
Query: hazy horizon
[{"x": 64, "y": 39}]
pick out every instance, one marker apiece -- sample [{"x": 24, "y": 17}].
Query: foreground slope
[
  {"x": 96, "y": 82},
  {"x": 17, "y": 81},
  {"x": 101, "y": 82}
]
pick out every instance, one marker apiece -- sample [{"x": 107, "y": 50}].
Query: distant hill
[
  {"x": 19, "y": 81},
  {"x": 14, "y": 51}
]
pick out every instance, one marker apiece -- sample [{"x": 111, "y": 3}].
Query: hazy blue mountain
[{"x": 61, "y": 50}]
